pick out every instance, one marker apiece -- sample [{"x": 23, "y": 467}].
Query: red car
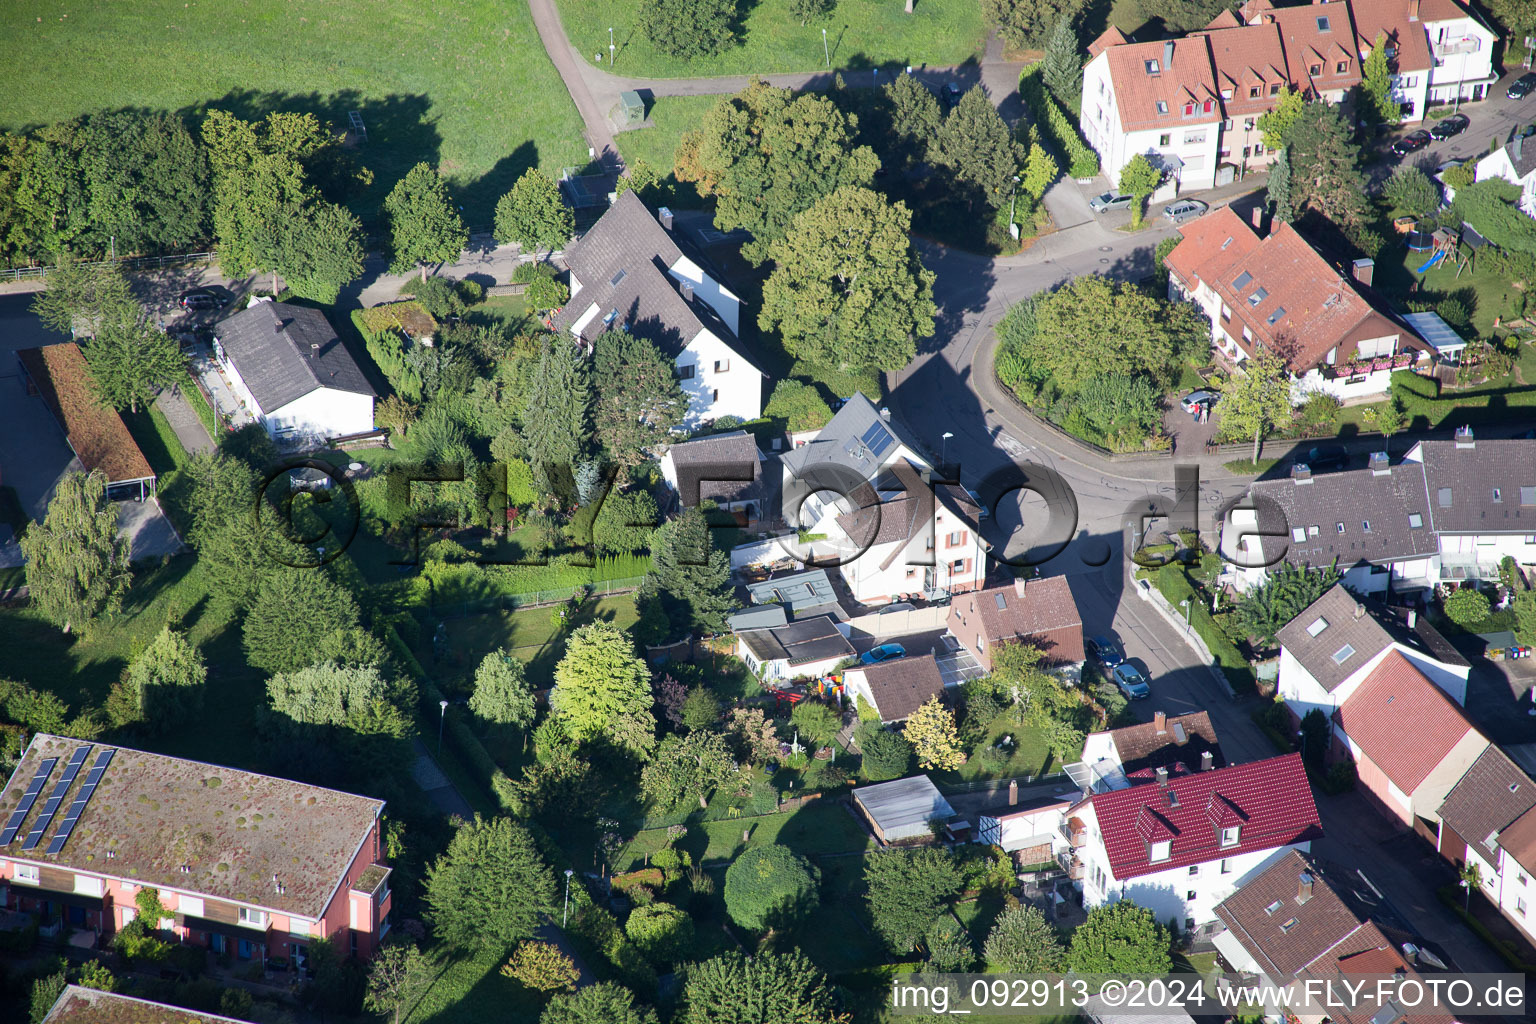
[{"x": 1410, "y": 142}]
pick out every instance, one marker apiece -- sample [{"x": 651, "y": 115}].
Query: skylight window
[
  {"x": 1162, "y": 106},
  {"x": 1258, "y": 296},
  {"x": 1528, "y": 495},
  {"x": 1340, "y": 526},
  {"x": 1365, "y": 525},
  {"x": 1274, "y": 317},
  {"x": 1299, "y": 534},
  {"x": 1287, "y": 926},
  {"x": 1323, "y": 24},
  {"x": 1443, "y": 496},
  {"x": 1343, "y": 654},
  {"x": 1415, "y": 521},
  {"x": 1497, "y": 497},
  {"x": 1227, "y": 242},
  {"x": 1318, "y": 625},
  {"x": 1243, "y": 281},
  {"x": 1272, "y": 907},
  {"x": 1152, "y": 66}
]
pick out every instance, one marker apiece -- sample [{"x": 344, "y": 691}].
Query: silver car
[
  {"x": 1107, "y": 201},
  {"x": 1184, "y": 209}
]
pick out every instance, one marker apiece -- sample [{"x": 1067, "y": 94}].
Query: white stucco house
[
  {"x": 1439, "y": 50},
  {"x": 861, "y": 495},
  {"x": 1514, "y": 162},
  {"x": 289, "y": 367},
  {"x": 1031, "y": 831},
  {"x": 1182, "y": 843},
  {"x": 1487, "y": 821},
  {"x": 630, "y": 273},
  {"x": 1328, "y": 650}
]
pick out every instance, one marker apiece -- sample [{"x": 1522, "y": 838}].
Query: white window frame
[
  {"x": 1231, "y": 836},
  {"x": 249, "y": 917},
  {"x": 88, "y": 885},
  {"x": 27, "y": 874},
  {"x": 1160, "y": 851}
]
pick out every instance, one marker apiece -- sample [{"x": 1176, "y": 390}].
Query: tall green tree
[
  {"x": 980, "y": 152},
  {"x": 639, "y": 398},
  {"x": 1376, "y": 84},
  {"x": 130, "y": 361},
  {"x": 1491, "y": 206},
  {"x": 77, "y": 565},
  {"x": 502, "y": 693},
  {"x": 848, "y": 289},
  {"x": 1325, "y": 168},
  {"x": 1277, "y": 122},
  {"x": 1040, "y": 171},
  {"x": 770, "y": 988},
  {"x": 770, "y": 886},
  {"x": 687, "y": 29},
  {"x": 555, "y": 421},
  {"x": 1286, "y": 592},
  {"x": 296, "y": 617},
  {"x": 1517, "y": 16},
  {"x": 603, "y": 689},
  {"x": 689, "y": 577},
  {"x": 765, "y": 155},
  {"x": 168, "y": 679},
  {"x": 491, "y": 888},
  {"x": 1022, "y": 941},
  {"x": 317, "y": 247},
  {"x": 931, "y": 731},
  {"x": 424, "y": 227},
  {"x": 1027, "y": 24},
  {"x": 356, "y": 699},
  {"x": 687, "y": 767},
  {"x": 887, "y": 754},
  {"x": 1120, "y": 938},
  {"x": 1139, "y": 179},
  {"x": 1063, "y": 63},
  {"x": 606, "y": 1002},
  {"x": 1257, "y": 400},
  {"x": 533, "y": 214},
  {"x": 225, "y": 530},
  {"x": 1278, "y": 189},
  {"x": 397, "y": 977},
  {"x": 906, "y": 125},
  {"x": 80, "y": 298},
  {"x": 907, "y": 892}
]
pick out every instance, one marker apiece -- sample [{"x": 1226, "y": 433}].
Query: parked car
[
  {"x": 1195, "y": 399},
  {"x": 1131, "y": 682},
  {"x": 1414, "y": 140},
  {"x": 952, "y": 94},
  {"x": 1453, "y": 125},
  {"x": 885, "y": 652},
  {"x": 1107, "y": 650},
  {"x": 210, "y": 297},
  {"x": 1185, "y": 209},
  {"x": 1106, "y": 201},
  {"x": 1521, "y": 87},
  {"x": 1328, "y": 456}
]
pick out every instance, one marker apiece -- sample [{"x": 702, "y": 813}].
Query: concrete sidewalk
[{"x": 173, "y": 405}]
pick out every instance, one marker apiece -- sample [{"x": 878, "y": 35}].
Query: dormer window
[
  {"x": 1161, "y": 850},
  {"x": 1314, "y": 70},
  {"x": 1189, "y": 109},
  {"x": 1274, "y": 89},
  {"x": 1342, "y": 67},
  {"x": 1253, "y": 92},
  {"x": 1226, "y": 94},
  {"x": 1230, "y": 835},
  {"x": 1207, "y": 106}
]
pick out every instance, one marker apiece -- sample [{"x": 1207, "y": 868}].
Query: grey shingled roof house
[{"x": 290, "y": 367}]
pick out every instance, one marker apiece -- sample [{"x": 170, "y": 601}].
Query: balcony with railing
[{"x": 1456, "y": 47}]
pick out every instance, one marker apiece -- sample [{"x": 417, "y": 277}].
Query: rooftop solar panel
[
  {"x": 82, "y": 798},
  {"x": 28, "y": 798},
  {"x": 71, "y": 770}
]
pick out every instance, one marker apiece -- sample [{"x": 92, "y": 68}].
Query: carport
[
  {"x": 96, "y": 434},
  {"x": 959, "y": 667}
]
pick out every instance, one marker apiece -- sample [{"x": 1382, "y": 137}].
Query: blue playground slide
[{"x": 1436, "y": 258}]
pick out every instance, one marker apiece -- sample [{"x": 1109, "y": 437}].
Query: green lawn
[
  {"x": 860, "y": 34},
  {"x": 670, "y": 117},
  {"x": 1030, "y": 756},
  {"x": 472, "y": 989},
  {"x": 815, "y": 830},
  {"x": 1486, "y": 294},
  {"x": 525, "y": 633},
  {"x": 465, "y": 85}
]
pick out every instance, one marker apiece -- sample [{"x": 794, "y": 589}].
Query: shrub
[
  {"x": 770, "y": 887},
  {"x": 663, "y": 932},
  {"x": 1056, "y": 125},
  {"x": 1467, "y": 606}
]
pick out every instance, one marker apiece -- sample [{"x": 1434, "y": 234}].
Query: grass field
[
  {"x": 460, "y": 83},
  {"x": 860, "y": 34},
  {"x": 815, "y": 830}
]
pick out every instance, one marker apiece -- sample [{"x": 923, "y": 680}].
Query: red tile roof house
[
  {"x": 1131, "y": 755},
  {"x": 1289, "y": 925},
  {"x": 1275, "y": 292},
  {"x": 78, "y": 1005},
  {"x": 1486, "y": 822},
  {"x": 1410, "y": 742},
  {"x": 1182, "y": 845},
  {"x": 246, "y": 864},
  {"x": 1040, "y": 612}
]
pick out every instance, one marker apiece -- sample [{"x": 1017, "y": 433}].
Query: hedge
[
  {"x": 193, "y": 393},
  {"x": 1057, "y": 125},
  {"x": 1175, "y": 584},
  {"x": 386, "y": 344}
]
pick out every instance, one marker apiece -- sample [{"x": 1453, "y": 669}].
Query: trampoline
[{"x": 1420, "y": 241}]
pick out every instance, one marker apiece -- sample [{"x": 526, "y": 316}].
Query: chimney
[
  {"x": 1413, "y": 618},
  {"x": 1257, "y": 217},
  {"x": 1168, "y": 55},
  {"x": 1301, "y": 473},
  {"x": 1379, "y": 465},
  {"x": 1207, "y": 761},
  {"x": 1162, "y": 776},
  {"x": 1364, "y": 270},
  {"x": 1413, "y": 10},
  {"x": 664, "y": 215},
  {"x": 885, "y": 413},
  {"x": 1359, "y": 610},
  {"x": 314, "y": 350},
  {"x": 1013, "y": 792},
  {"x": 1018, "y": 585},
  {"x": 1464, "y": 438},
  {"x": 1303, "y": 887},
  {"x": 1160, "y": 722},
  {"x": 1519, "y": 145},
  {"x": 687, "y": 292}
]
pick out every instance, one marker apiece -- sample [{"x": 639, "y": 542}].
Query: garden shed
[{"x": 901, "y": 810}]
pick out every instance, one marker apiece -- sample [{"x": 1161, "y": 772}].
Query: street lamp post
[
  {"x": 610, "y": 46},
  {"x": 1466, "y": 903},
  {"x": 1185, "y": 605},
  {"x": 1013, "y": 229},
  {"x": 442, "y": 708},
  {"x": 564, "y": 914},
  {"x": 944, "y": 448},
  {"x": 824, "y": 50}
]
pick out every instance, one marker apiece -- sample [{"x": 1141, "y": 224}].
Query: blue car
[
  {"x": 1131, "y": 682},
  {"x": 1107, "y": 649},
  {"x": 885, "y": 652}
]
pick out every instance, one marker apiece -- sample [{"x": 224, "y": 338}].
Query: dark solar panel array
[
  {"x": 56, "y": 798},
  {"x": 877, "y": 439},
  {"x": 81, "y": 799},
  {"x": 28, "y": 799}
]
